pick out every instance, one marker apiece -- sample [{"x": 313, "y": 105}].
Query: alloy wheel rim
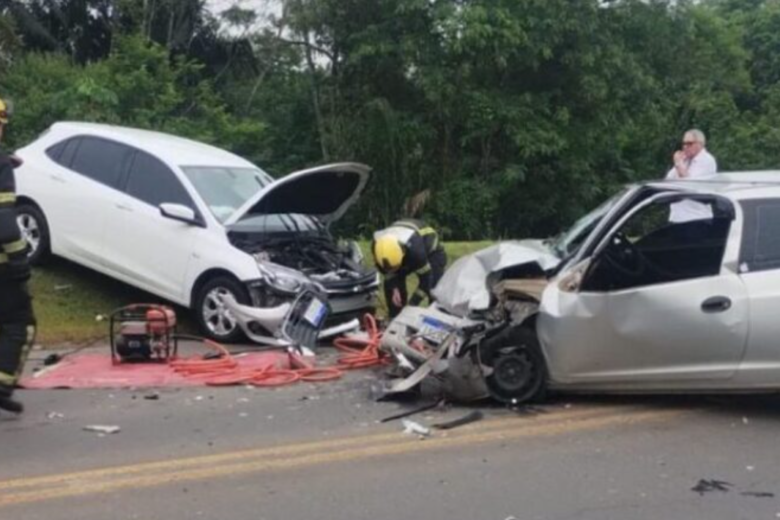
[
  {"x": 31, "y": 231},
  {"x": 217, "y": 317}
]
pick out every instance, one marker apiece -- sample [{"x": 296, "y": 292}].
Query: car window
[
  {"x": 55, "y": 151},
  {"x": 62, "y": 153},
  {"x": 151, "y": 181},
  {"x": 655, "y": 245},
  {"x": 66, "y": 158},
  {"x": 101, "y": 160},
  {"x": 761, "y": 235}
]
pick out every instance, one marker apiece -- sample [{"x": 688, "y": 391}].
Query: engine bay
[{"x": 317, "y": 255}]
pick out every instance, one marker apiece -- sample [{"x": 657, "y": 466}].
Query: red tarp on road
[{"x": 97, "y": 371}]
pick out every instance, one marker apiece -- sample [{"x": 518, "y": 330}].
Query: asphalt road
[{"x": 319, "y": 451}]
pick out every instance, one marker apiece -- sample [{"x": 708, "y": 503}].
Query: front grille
[{"x": 367, "y": 282}]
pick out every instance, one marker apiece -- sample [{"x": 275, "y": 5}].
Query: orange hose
[{"x": 356, "y": 353}]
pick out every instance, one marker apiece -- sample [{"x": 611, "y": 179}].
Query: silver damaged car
[{"x": 633, "y": 298}]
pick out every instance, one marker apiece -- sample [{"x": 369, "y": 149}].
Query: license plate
[
  {"x": 315, "y": 313},
  {"x": 435, "y": 330}
]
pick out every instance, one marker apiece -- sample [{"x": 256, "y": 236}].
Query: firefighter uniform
[
  {"x": 419, "y": 252},
  {"x": 17, "y": 323}
]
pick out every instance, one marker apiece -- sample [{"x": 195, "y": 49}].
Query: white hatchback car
[{"x": 191, "y": 223}]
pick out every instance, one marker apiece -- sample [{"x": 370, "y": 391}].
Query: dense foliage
[{"x": 508, "y": 118}]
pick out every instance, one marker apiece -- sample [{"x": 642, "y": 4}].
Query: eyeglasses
[{"x": 689, "y": 143}]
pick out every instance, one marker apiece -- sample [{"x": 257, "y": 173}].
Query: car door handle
[
  {"x": 124, "y": 208},
  {"x": 57, "y": 178},
  {"x": 716, "y": 304}
]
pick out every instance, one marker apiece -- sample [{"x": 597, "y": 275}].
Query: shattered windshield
[
  {"x": 570, "y": 240},
  {"x": 225, "y": 189}
]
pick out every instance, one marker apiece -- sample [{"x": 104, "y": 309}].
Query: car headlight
[{"x": 282, "y": 278}]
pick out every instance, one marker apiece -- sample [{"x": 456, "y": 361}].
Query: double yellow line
[{"x": 295, "y": 456}]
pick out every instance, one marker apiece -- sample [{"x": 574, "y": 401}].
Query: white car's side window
[
  {"x": 150, "y": 181},
  {"x": 101, "y": 160},
  {"x": 761, "y": 235}
]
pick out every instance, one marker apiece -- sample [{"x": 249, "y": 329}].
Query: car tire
[
  {"x": 518, "y": 372},
  {"x": 215, "y": 321},
  {"x": 35, "y": 230}
]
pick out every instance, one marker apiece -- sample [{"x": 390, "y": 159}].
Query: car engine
[{"x": 317, "y": 256}]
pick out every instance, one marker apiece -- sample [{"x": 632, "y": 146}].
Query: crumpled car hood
[{"x": 465, "y": 287}]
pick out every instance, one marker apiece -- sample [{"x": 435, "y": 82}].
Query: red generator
[{"x": 143, "y": 332}]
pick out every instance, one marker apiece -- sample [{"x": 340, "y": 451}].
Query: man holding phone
[{"x": 692, "y": 162}]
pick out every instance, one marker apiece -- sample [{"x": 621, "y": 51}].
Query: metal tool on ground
[
  {"x": 143, "y": 332},
  {"x": 469, "y": 418}
]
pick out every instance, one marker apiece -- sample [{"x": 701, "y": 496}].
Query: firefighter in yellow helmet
[
  {"x": 17, "y": 323},
  {"x": 405, "y": 248}
]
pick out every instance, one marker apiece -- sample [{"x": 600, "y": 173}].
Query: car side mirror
[{"x": 181, "y": 213}]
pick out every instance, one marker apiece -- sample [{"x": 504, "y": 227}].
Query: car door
[
  {"x": 759, "y": 267},
  {"x": 147, "y": 249},
  {"x": 659, "y": 303},
  {"x": 88, "y": 173}
]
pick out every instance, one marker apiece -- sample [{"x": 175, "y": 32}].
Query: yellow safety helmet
[
  {"x": 388, "y": 253},
  {"x": 5, "y": 112}
]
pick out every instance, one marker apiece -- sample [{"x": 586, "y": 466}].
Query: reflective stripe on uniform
[
  {"x": 31, "y": 333},
  {"x": 424, "y": 231},
  {"x": 15, "y": 247},
  {"x": 7, "y": 197},
  {"x": 424, "y": 269},
  {"x": 3, "y": 258},
  {"x": 7, "y": 379}
]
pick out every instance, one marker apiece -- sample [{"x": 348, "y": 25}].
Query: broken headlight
[{"x": 283, "y": 278}]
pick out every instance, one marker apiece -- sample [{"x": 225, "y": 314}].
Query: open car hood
[
  {"x": 465, "y": 287},
  {"x": 325, "y": 192}
]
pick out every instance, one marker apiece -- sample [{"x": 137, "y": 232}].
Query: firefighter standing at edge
[
  {"x": 17, "y": 323},
  {"x": 408, "y": 247}
]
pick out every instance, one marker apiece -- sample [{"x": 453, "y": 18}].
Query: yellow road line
[
  {"x": 76, "y": 484},
  {"x": 290, "y": 449}
]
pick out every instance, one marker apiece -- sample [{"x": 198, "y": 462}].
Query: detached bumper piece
[
  {"x": 297, "y": 324},
  {"x": 302, "y": 326}
]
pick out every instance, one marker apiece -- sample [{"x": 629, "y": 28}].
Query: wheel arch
[
  {"x": 204, "y": 278},
  {"x": 24, "y": 199}
]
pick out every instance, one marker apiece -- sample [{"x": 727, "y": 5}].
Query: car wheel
[
  {"x": 35, "y": 230},
  {"x": 517, "y": 372},
  {"x": 215, "y": 320}
]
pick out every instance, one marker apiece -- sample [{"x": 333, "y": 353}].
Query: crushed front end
[{"x": 465, "y": 340}]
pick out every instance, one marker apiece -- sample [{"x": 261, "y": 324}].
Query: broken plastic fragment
[
  {"x": 417, "y": 428},
  {"x": 100, "y": 428}
]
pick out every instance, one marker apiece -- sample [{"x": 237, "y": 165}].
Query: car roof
[
  {"x": 734, "y": 185},
  {"x": 170, "y": 148}
]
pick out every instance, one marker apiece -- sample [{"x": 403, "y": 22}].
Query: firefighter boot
[{"x": 7, "y": 403}]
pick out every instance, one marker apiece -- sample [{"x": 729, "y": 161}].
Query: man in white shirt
[{"x": 690, "y": 163}]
